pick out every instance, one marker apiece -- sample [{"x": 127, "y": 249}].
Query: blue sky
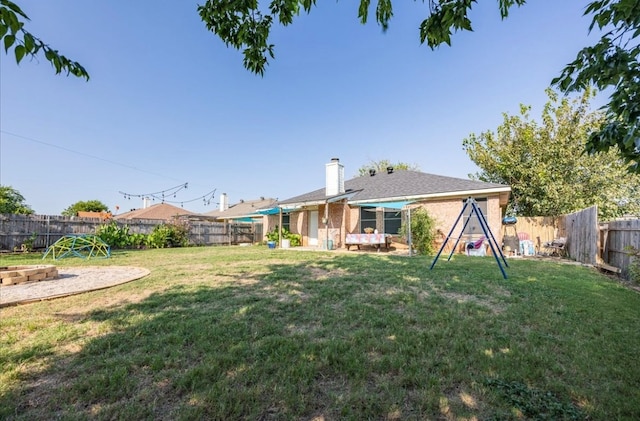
[{"x": 169, "y": 103}]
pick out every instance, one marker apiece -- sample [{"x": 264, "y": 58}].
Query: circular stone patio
[{"x": 70, "y": 281}]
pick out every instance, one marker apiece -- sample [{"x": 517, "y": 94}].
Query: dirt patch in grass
[
  {"x": 494, "y": 306},
  {"x": 458, "y": 404},
  {"x": 317, "y": 273}
]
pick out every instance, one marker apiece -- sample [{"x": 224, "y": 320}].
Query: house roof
[
  {"x": 402, "y": 185},
  {"x": 163, "y": 211},
  {"x": 243, "y": 209}
]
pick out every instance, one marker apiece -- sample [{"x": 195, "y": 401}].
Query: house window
[
  {"x": 392, "y": 221},
  {"x": 473, "y": 228},
  {"x": 286, "y": 221},
  {"x": 367, "y": 218}
]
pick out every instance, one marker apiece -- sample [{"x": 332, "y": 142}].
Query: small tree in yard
[
  {"x": 12, "y": 202},
  {"x": 423, "y": 233},
  {"x": 85, "y": 206}
]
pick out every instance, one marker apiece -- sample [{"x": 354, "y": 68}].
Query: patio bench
[{"x": 375, "y": 240}]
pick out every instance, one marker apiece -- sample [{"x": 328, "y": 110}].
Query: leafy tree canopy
[
  {"x": 24, "y": 43},
  {"x": 545, "y": 164},
  {"x": 12, "y": 202},
  {"x": 382, "y": 165},
  {"x": 86, "y": 206}
]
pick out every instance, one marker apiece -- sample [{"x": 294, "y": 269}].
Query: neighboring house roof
[
  {"x": 401, "y": 185},
  {"x": 163, "y": 211},
  {"x": 91, "y": 214},
  {"x": 243, "y": 209}
]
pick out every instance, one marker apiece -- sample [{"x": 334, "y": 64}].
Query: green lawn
[{"x": 230, "y": 333}]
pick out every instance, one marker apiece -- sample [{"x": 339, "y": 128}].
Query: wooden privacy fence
[
  {"x": 583, "y": 236},
  {"x": 540, "y": 229},
  {"x": 590, "y": 242},
  {"x": 616, "y": 236},
  {"x": 587, "y": 241},
  {"x": 40, "y": 231}
]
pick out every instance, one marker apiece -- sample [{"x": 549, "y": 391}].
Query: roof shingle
[
  {"x": 398, "y": 184},
  {"x": 163, "y": 211}
]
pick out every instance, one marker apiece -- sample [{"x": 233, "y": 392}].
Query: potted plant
[
  {"x": 288, "y": 239},
  {"x": 272, "y": 237}
]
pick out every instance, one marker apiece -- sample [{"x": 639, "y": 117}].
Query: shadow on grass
[{"x": 327, "y": 338}]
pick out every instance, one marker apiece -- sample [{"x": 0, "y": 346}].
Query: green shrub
[
  {"x": 294, "y": 239},
  {"x": 633, "y": 272},
  {"x": 115, "y": 236},
  {"x": 171, "y": 234},
  {"x": 273, "y": 234},
  {"x": 422, "y": 231},
  {"x": 137, "y": 240},
  {"x": 27, "y": 245}
]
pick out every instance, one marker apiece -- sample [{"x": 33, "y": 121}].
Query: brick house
[{"x": 381, "y": 201}]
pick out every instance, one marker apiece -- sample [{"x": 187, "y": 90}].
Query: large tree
[
  {"x": 25, "y": 44},
  {"x": 85, "y": 206},
  {"x": 545, "y": 164},
  {"x": 12, "y": 202},
  {"x": 383, "y": 164}
]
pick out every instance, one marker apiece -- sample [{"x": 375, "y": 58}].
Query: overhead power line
[{"x": 30, "y": 139}]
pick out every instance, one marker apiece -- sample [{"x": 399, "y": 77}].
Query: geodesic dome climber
[{"x": 84, "y": 246}]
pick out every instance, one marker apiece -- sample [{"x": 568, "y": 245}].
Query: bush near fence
[{"x": 40, "y": 231}]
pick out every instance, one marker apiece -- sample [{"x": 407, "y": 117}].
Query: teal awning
[
  {"x": 275, "y": 210},
  {"x": 270, "y": 211}
]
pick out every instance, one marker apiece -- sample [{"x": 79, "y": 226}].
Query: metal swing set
[{"x": 495, "y": 249}]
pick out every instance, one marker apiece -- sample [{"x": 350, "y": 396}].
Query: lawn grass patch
[{"x": 254, "y": 333}]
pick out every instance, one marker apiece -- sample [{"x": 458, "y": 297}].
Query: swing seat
[{"x": 476, "y": 248}]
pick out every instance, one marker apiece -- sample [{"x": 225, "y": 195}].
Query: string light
[{"x": 173, "y": 191}]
